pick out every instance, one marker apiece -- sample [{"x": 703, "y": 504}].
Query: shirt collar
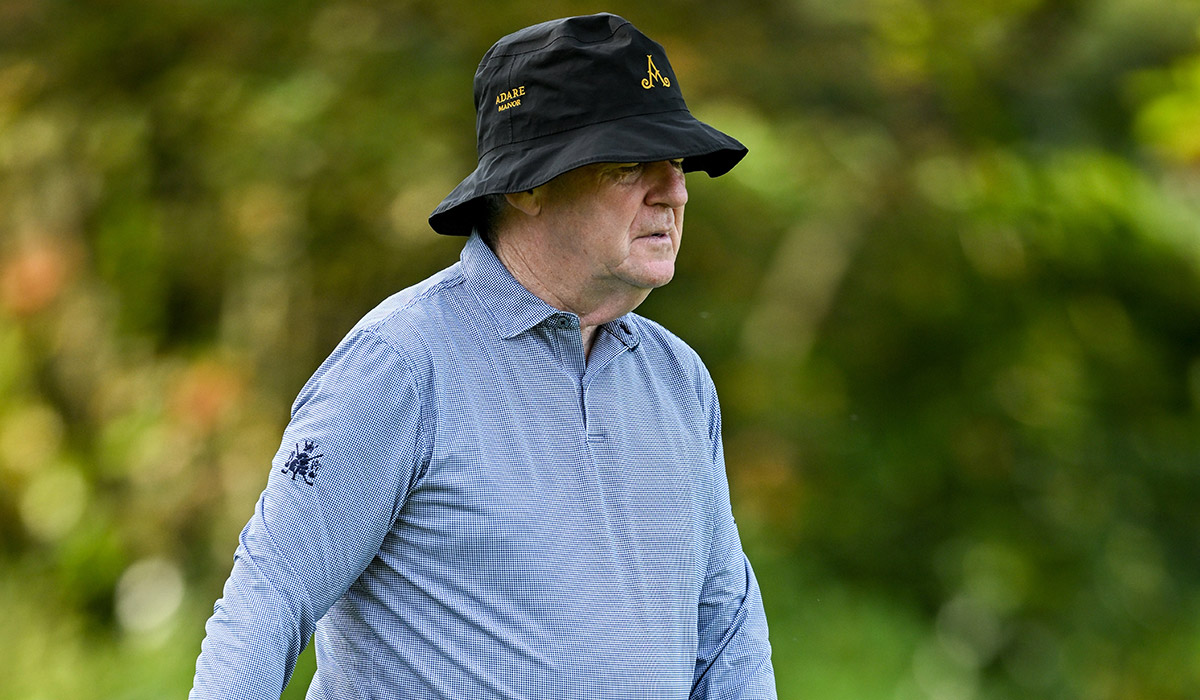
[{"x": 513, "y": 308}]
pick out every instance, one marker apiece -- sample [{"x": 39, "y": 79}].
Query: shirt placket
[{"x": 607, "y": 348}]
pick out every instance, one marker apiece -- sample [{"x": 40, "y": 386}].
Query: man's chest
[{"x": 546, "y": 484}]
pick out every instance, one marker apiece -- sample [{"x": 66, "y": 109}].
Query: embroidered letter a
[{"x": 653, "y": 75}]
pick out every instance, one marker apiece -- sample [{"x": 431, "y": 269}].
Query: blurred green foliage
[{"x": 951, "y": 301}]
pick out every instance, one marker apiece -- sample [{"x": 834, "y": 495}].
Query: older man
[{"x": 503, "y": 483}]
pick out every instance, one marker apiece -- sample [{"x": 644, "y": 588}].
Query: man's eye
[{"x": 630, "y": 168}]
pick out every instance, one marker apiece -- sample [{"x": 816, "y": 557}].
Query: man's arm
[
  {"x": 349, "y": 456},
  {"x": 733, "y": 660}
]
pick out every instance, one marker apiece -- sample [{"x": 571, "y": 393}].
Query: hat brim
[{"x": 644, "y": 138}]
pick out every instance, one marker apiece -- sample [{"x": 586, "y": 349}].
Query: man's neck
[{"x": 554, "y": 283}]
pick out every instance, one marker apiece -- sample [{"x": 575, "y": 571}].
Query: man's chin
[
  {"x": 656, "y": 279},
  {"x": 648, "y": 274}
]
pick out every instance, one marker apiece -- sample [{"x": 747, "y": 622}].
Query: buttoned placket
[
  {"x": 605, "y": 350},
  {"x": 610, "y": 341}
]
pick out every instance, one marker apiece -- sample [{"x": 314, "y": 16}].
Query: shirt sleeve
[
  {"x": 350, "y": 455},
  {"x": 734, "y": 655}
]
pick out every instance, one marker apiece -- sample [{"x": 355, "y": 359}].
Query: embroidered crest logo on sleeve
[{"x": 303, "y": 462}]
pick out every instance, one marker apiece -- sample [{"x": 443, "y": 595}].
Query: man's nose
[{"x": 668, "y": 184}]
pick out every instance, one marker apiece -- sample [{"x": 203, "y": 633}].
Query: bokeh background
[{"x": 951, "y": 301}]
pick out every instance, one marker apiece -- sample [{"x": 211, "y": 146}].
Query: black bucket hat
[{"x": 571, "y": 92}]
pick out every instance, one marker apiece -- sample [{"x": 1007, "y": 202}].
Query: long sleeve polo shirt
[{"x": 464, "y": 505}]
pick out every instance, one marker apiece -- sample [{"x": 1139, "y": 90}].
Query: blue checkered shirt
[{"x": 464, "y": 506}]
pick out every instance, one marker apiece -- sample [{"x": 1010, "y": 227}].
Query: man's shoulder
[
  {"x": 405, "y": 320},
  {"x": 673, "y": 359},
  {"x": 414, "y": 304},
  {"x": 656, "y": 332},
  {"x": 658, "y": 338}
]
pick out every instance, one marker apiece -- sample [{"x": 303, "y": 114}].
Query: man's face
[{"x": 618, "y": 224}]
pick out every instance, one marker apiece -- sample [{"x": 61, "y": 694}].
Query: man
[{"x": 503, "y": 483}]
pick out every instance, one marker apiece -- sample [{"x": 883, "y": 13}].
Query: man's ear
[{"x": 527, "y": 202}]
